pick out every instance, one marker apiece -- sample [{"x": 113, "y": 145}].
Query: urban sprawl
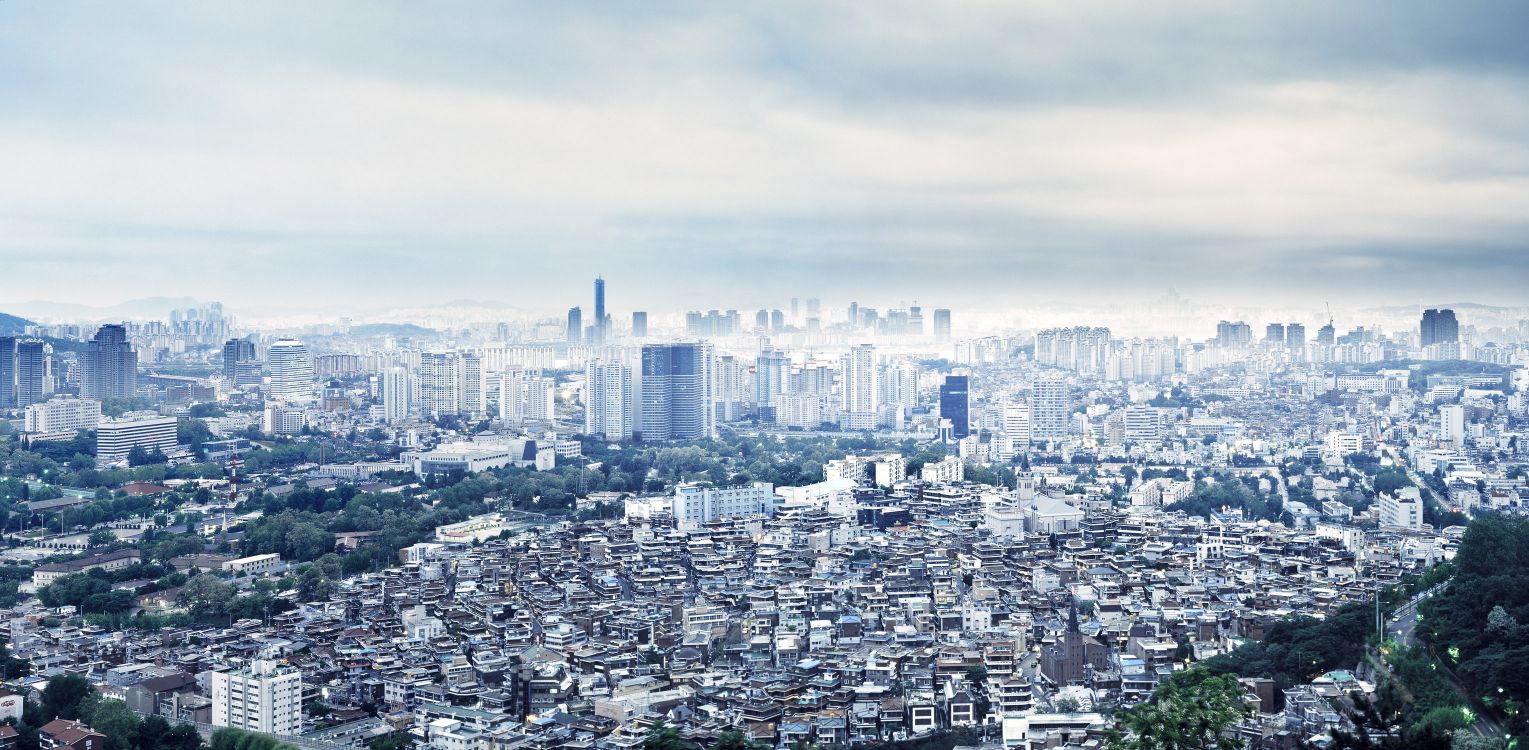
[{"x": 791, "y": 528}]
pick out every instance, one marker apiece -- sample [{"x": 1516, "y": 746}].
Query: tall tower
[
  {"x": 601, "y": 323},
  {"x": 575, "y": 325},
  {"x": 397, "y": 394},
  {"x": 291, "y": 372},
  {"x": 1048, "y": 408},
  {"x": 609, "y": 408},
  {"x": 861, "y": 394},
  {"x": 239, "y": 366},
  {"x": 111, "y": 364},
  {"x": 676, "y": 392},
  {"x": 955, "y": 405},
  {"x": 7, "y": 372},
  {"x": 942, "y": 325},
  {"x": 31, "y": 372}
]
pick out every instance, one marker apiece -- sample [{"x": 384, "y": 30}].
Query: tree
[
  {"x": 733, "y": 739},
  {"x": 1465, "y": 739},
  {"x": 102, "y": 537},
  {"x": 976, "y": 674},
  {"x": 1067, "y": 705},
  {"x": 1192, "y": 710},
  {"x": 118, "y": 722},
  {"x": 206, "y": 596},
  {"x": 63, "y": 696},
  {"x": 665, "y": 737}
]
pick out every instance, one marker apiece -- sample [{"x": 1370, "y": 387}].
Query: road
[{"x": 1403, "y": 630}]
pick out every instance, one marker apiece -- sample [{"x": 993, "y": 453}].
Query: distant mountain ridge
[
  {"x": 147, "y": 308},
  {"x": 10, "y": 324}
]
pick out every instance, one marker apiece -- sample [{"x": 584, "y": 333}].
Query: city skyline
[{"x": 1277, "y": 152}]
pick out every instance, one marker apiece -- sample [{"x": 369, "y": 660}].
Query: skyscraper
[
  {"x": 7, "y": 372},
  {"x": 771, "y": 369},
  {"x": 443, "y": 384},
  {"x": 955, "y": 405},
  {"x": 609, "y": 408},
  {"x": 1295, "y": 337},
  {"x": 525, "y": 396},
  {"x": 1048, "y": 408},
  {"x": 601, "y": 319},
  {"x": 239, "y": 366},
  {"x": 111, "y": 364},
  {"x": 676, "y": 392},
  {"x": 861, "y": 396},
  {"x": 575, "y": 325},
  {"x": 1439, "y": 327},
  {"x": 639, "y": 324},
  {"x": 291, "y": 372},
  {"x": 31, "y": 372},
  {"x": 942, "y": 325},
  {"x": 397, "y": 394},
  {"x": 1274, "y": 334}
]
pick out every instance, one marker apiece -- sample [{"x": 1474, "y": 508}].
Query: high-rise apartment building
[
  {"x": 772, "y": 370},
  {"x": 264, "y": 697},
  {"x": 1295, "y": 337},
  {"x": 239, "y": 364},
  {"x": 291, "y": 372},
  {"x": 33, "y": 376},
  {"x": 639, "y": 324},
  {"x": 575, "y": 331},
  {"x": 1048, "y": 408},
  {"x": 1452, "y": 425},
  {"x": 942, "y": 325},
  {"x": 955, "y": 405},
  {"x": 111, "y": 364},
  {"x": 525, "y": 396},
  {"x": 731, "y": 389},
  {"x": 609, "y": 405},
  {"x": 676, "y": 392},
  {"x": 444, "y": 384},
  {"x": 7, "y": 372},
  {"x": 397, "y": 394},
  {"x": 861, "y": 391}
]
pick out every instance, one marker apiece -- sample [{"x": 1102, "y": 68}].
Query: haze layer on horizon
[{"x": 345, "y": 153}]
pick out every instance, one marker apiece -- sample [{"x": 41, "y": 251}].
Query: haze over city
[{"x": 1278, "y": 153}]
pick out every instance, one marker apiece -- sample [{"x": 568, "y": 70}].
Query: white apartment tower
[
  {"x": 291, "y": 372},
  {"x": 860, "y": 396},
  {"x": 609, "y": 406},
  {"x": 1452, "y": 425},
  {"x": 263, "y": 697},
  {"x": 397, "y": 394},
  {"x": 525, "y": 396},
  {"x": 1048, "y": 408}
]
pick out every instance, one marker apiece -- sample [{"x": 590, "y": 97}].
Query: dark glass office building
[
  {"x": 955, "y": 405},
  {"x": 111, "y": 365}
]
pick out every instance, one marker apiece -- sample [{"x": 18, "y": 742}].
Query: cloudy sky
[{"x": 696, "y": 154}]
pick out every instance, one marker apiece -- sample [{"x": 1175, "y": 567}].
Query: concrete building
[
  {"x": 291, "y": 372},
  {"x": 609, "y": 406},
  {"x": 62, "y": 415},
  {"x": 694, "y": 504},
  {"x": 1403, "y": 510},
  {"x": 263, "y": 697},
  {"x": 115, "y": 438},
  {"x": 111, "y": 365}
]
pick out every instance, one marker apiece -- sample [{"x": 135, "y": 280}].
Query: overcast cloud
[{"x": 700, "y": 155}]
